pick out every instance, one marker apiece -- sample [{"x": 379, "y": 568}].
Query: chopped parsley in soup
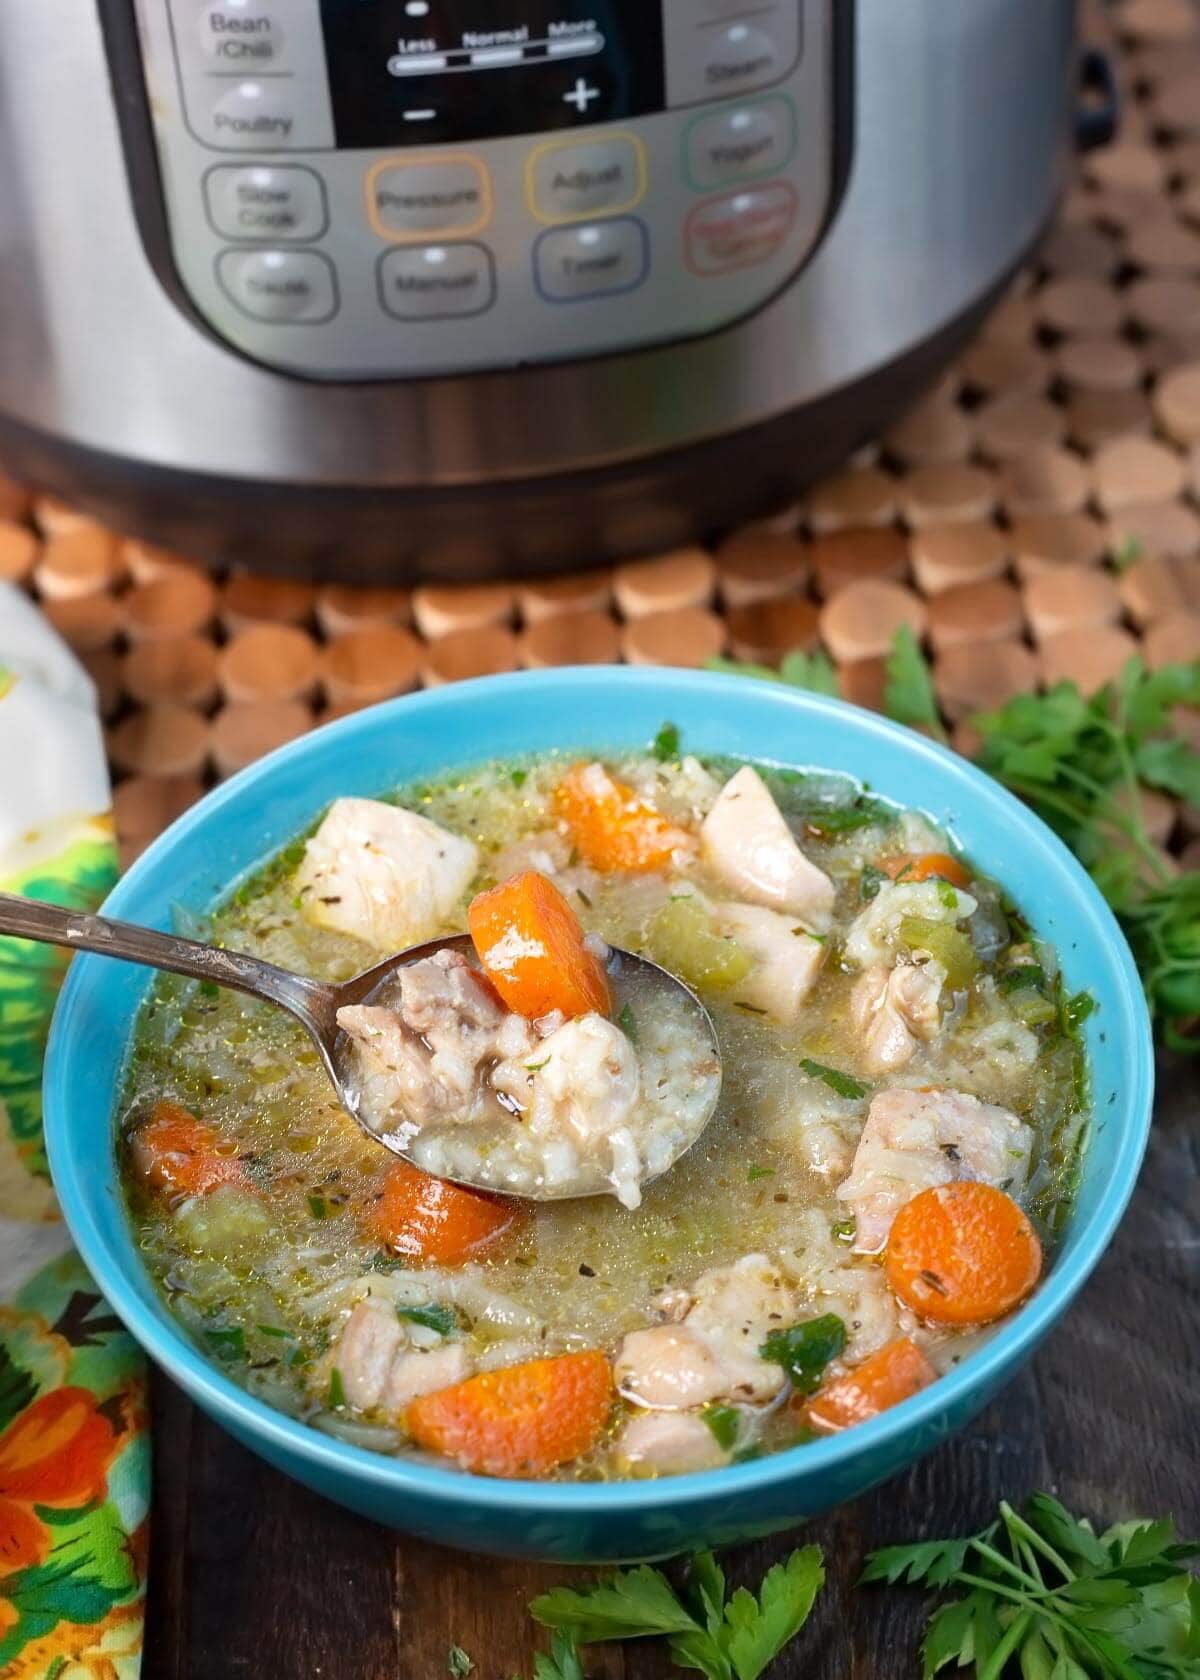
[{"x": 890, "y": 1159}]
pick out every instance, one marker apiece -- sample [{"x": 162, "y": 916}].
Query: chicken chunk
[
  {"x": 368, "y": 1346},
  {"x": 422, "y": 1057},
  {"x": 381, "y": 1371},
  {"x": 914, "y": 1140},
  {"x": 747, "y": 844},
  {"x": 893, "y": 1010},
  {"x": 830, "y": 1278},
  {"x": 384, "y": 874},
  {"x": 875, "y": 931},
  {"x": 420, "y": 1371},
  {"x": 714, "y": 1352},
  {"x": 584, "y": 1080},
  {"x": 668, "y": 1444},
  {"x": 786, "y": 958}
]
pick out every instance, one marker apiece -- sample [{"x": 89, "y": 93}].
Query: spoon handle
[{"x": 28, "y": 918}]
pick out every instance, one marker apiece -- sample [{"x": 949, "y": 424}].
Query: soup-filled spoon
[{"x": 495, "y": 1148}]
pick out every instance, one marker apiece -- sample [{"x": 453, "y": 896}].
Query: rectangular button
[
  {"x": 265, "y": 201},
  {"x": 409, "y": 199},
  {"x": 436, "y": 282},
  {"x": 282, "y": 286},
  {"x": 567, "y": 183},
  {"x": 719, "y": 60},
  {"x": 595, "y": 260},
  {"x": 740, "y": 142},
  {"x": 740, "y": 229}
]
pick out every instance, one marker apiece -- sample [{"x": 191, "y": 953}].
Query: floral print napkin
[{"x": 74, "y": 1448}]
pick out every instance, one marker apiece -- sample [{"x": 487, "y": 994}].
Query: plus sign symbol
[{"x": 581, "y": 95}]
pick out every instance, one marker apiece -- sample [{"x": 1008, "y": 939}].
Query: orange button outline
[
  {"x": 422, "y": 236},
  {"x": 599, "y": 138},
  {"x": 699, "y": 209}
]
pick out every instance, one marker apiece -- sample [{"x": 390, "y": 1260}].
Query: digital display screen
[{"x": 416, "y": 72}]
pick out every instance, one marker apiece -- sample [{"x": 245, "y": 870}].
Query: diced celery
[
  {"x": 945, "y": 944},
  {"x": 682, "y": 940}
]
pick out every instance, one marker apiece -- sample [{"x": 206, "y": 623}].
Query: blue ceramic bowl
[{"x": 229, "y": 833}]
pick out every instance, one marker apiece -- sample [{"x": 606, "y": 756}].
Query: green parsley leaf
[
  {"x": 273, "y": 1330},
  {"x": 754, "y": 1172},
  {"x": 634, "y": 1604},
  {"x": 518, "y": 777},
  {"x": 1047, "y": 1596},
  {"x": 1076, "y": 1010},
  {"x": 805, "y": 1349},
  {"x": 724, "y": 1423},
  {"x": 725, "y": 1639},
  {"x": 337, "y": 1390},
  {"x": 458, "y": 1663},
  {"x": 318, "y": 1207},
  {"x": 908, "y": 693},
  {"x": 227, "y": 1344},
  {"x": 1021, "y": 977},
  {"x": 666, "y": 743},
  {"x": 209, "y": 989},
  {"x": 442, "y": 1319},
  {"x": 563, "y": 1661},
  {"x": 627, "y": 1021},
  {"x": 813, "y": 671},
  {"x": 844, "y": 1084}
]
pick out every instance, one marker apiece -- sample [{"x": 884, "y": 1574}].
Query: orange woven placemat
[{"x": 1036, "y": 517}]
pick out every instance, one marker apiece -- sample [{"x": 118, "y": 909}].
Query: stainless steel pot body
[{"x": 958, "y": 138}]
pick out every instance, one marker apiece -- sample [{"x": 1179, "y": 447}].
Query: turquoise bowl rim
[{"x": 76, "y": 1182}]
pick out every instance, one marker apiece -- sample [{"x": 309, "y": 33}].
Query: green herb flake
[
  {"x": 754, "y": 1172},
  {"x": 1022, "y": 977},
  {"x": 805, "y": 1349},
  {"x": 1075, "y": 1010},
  {"x": 844, "y": 1084},
  {"x": 442, "y": 1319},
  {"x": 536, "y": 1067},
  {"x": 273, "y": 1330},
  {"x": 946, "y": 893},
  {"x": 228, "y": 1344},
  {"x": 318, "y": 1207},
  {"x": 870, "y": 881},
  {"x": 627, "y": 1021},
  {"x": 518, "y": 777},
  {"x": 209, "y": 989},
  {"x": 458, "y": 1663},
  {"x": 382, "y": 1261},
  {"x": 749, "y": 1008},
  {"x": 666, "y": 743},
  {"x": 843, "y": 1230},
  {"x": 337, "y": 1390},
  {"x": 724, "y": 1423}
]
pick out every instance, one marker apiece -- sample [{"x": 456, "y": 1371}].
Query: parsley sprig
[
  {"x": 1049, "y": 1599},
  {"x": 724, "y": 1637}
]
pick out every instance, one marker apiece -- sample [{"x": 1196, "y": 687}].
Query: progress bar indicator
[{"x": 412, "y": 72}]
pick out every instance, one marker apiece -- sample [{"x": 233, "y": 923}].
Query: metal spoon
[{"x": 314, "y": 1003}]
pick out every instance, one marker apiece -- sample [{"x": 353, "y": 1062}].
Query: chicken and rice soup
[{"x": 892, "y": 1154}]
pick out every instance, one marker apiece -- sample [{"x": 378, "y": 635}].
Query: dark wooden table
[{"x": 252, "y": 1575}]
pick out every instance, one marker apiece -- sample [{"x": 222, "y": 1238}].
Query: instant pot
[{"x": 444, "y": 287}]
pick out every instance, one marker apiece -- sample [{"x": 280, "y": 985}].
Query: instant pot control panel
[{"x": 370, "y": 189}]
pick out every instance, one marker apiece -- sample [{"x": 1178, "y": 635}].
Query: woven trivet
[{"x": 1036, "y": 517}]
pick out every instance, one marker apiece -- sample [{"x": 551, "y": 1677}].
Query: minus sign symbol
[{"x": 419, "y": 116}]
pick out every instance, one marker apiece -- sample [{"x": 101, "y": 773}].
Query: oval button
[
  {"x": 740, "y": 229},
  {"x": 241, "y": 34},
  {"x": 265, "y": 201},
  {"x": 254, "y": 114},
  {"x": 741, "y": 142},
  {"x": 284, "y": 286}
]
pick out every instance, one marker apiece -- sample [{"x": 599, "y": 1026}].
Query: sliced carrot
[
  {"x": 532, "y": 949},
  {"x": 520, "y": 1421},
  {"x": 928, "y": 866},
  {"x": 179, "y": 1155},
  {"x": 962, "y": 1253},
  {"x": 612, "y": 827},
  {"x": 432, "y": 1219},
  {"x": 883, "y": 1380}
]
